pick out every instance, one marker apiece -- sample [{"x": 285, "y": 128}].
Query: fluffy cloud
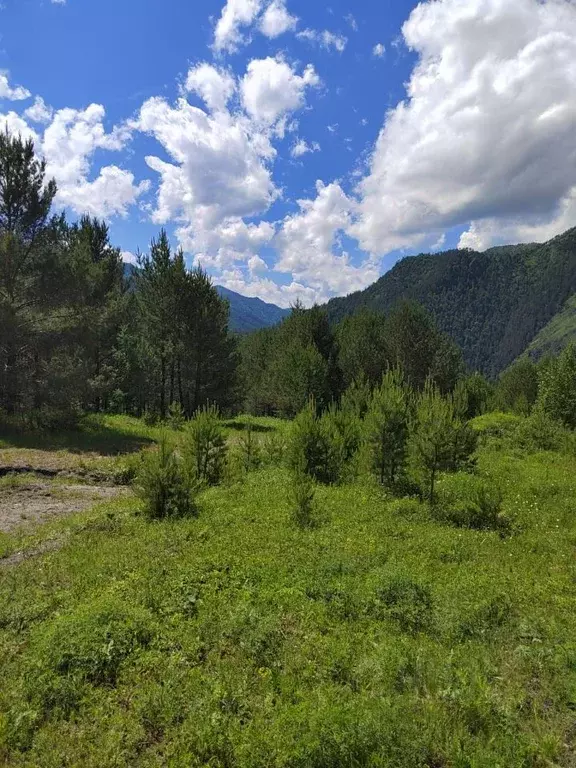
[
  {"x": 271, "y": 88},
  {"x": 379, "y": 50},
  {"x": 15, "y": 124},
  {"x": 487, "y": 131},
  {"x": 219, "y": 169},
  {"x": 12, "y": 94},
  {"x": 235, "y": 14},
  {"x": 325, "y": 39},
  {"x": 276, "y": 20},
  {"x": 300, "y": 148},
  {"x": 128, "y": 257},
  {"x": 68, "y": 145},
  {"x": 39, "y": 112},
  {"x": 284, "y": 295},
  {"x": 215, "y": 86},
  {"x": 310, "y": 249},
  {"x": 230, "y": 241}
]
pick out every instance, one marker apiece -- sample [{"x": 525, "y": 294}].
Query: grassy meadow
[{"x": 382, "y": 636}]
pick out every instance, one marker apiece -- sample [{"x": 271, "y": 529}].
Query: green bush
[
  {"x": 312, "y": 449},
  {"x": 386, "y": 429},
  {"x": 486, "y": 618},
  {"x": 92, "y": 641},
  {"x": 302, "y": 499},
  {"x": 249, "y": 447},
  {"x": 539, "y": 432},
  {"x": 273, "y": 449},
  {"x": 165, "y": 485},
  {"x": 407, "y": 603},
  {"x": 496, "y": 424},
  {"x": 343, "y": 429},
  {"x": 205, "y": 446},
  {"x": 468, "y": 501},
  {"x": 176, "y": 418},
  {"x": 83, "y": 648}
]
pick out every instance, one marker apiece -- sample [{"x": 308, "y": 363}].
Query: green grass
[{"x": 379, "y": 638}]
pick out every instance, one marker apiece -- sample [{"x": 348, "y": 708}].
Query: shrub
[
  {"x": 407, "y": 507},
  {"x": 557, "y": 392},
  {"x": 356, "y": 399},
  {"x": 165, "y": 485},
  {"x": 249, "y": 447},
  {"x": 205, "y": 446},
  {"x": 487, "y": 618},
  {"x": 176, "y": 418},
  {"x": 273, "y": 449},
  {"x": 539, "y": 432},
  {"x": 496, "y": 424},
  {"x": 85, "y": 647},
  {"x": 311, "y": 449},
  {"x": 343, "y": 429},
  {"x": 91, "y": 642},
  {"x": 468, "y": 501},
  {"x": 407, "y": 603},
  {"x": 302, "y": 499},
  {"x": 440, "y": 441},
  {"x": 387, "y": 429}
]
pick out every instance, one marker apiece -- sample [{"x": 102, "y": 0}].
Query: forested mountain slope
[
  {"x": 493, "y": 304},
  {"x": 246, "y": 314},
  {"x": 250, "y": 314},
  {"x": 557, "y": 333}
]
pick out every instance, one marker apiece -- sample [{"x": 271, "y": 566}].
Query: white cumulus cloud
[
  {"x": 325, "y": 39},
  {"x": 9, "y": 93},
  {"x": 276, "y": 20},
  {"x": 219, "y": 165},
  {"x": 379, "y": 50},
  {"x": 215, "y": 86},
  {"x": 310, "y": 248},
  {"x": 235, "y": 15},
  {"x": 301, "y": 147},
  {"x": 68, "y": 144},
  {"x": 486, "y": 133},
  {"x": 39, "y": 112},
  {"x": 271, "y": 89}
]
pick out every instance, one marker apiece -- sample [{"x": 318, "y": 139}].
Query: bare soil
[{"x": 38, "y": 502}]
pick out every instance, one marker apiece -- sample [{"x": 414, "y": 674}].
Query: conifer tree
[
  {"x": 557, "y": 394},
  {"x": 387, "y": 428},
  {"x": 27, "y": 244},
  {"x": 432, "y": 441}
]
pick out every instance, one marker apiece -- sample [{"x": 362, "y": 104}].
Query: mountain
[
  {"x": 556, "y": 334},
  {"x": 245, "y": 314},
  {"x": 248, "y": 314},
  {"x": 493, "y": 304}
]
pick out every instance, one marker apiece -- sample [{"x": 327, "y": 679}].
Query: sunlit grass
[{"x": 380, "y": 637}]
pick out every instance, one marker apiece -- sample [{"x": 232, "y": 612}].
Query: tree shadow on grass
[
  {"x": 239, "y": 425},
  {"x": 90, "y": 437}
]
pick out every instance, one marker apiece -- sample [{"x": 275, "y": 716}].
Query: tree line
[{"x": 78, "y": 334}]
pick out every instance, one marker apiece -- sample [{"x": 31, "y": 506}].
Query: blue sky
[{"x": 298, "y": 149}]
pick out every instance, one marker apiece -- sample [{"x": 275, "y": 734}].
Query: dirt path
[{"x": 37, "y": 502}]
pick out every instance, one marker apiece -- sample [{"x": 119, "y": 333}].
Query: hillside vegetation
[
  {"x": 250, "y": 314},
  {"x": 493, "y": 304},
  {"x": 379, "y": 637}
]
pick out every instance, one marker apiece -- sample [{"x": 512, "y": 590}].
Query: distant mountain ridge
[
  {"x": 251, "y": 314},
  {"x": 246, "y": 314},
  {"x": 493, "y": 304}
]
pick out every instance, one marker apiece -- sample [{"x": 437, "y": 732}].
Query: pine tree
[
  {"x": 557, "y": 394},
  {"x": 27, "y": 243},
  {"x": 432, "y": 441},
  {"x": 387, "y": 428}
]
